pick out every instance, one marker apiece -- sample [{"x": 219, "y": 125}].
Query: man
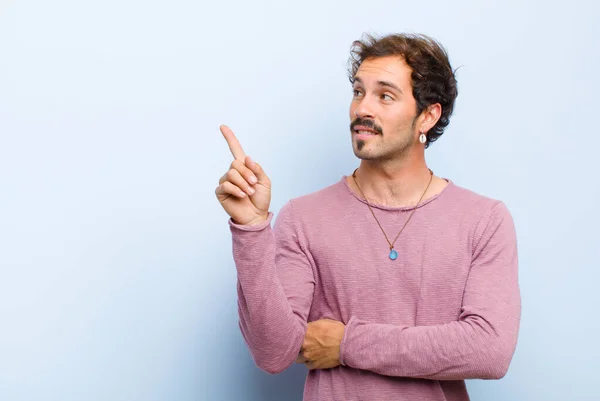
[{"x": 393, "y": 283}]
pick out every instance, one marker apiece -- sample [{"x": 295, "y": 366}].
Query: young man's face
[{"x": 384, "y": 106}]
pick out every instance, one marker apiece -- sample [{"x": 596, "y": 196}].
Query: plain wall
[{"x": 116, "y": 275}]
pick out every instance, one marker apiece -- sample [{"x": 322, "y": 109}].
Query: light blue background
[{"x": 117, "y": 280}]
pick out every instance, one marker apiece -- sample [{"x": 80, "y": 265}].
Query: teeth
[{"x": 366, "y": 133}]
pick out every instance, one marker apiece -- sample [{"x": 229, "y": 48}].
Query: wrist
[
  {"x": 258, "y": 220},
  {"x": 344, "y": 351},
  {"x": 255, "y": 222}
]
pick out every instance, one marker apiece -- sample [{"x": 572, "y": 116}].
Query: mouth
[{"x": 364, "y": 132}]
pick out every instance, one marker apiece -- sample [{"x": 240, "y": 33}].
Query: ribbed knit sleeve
[{"x": 275, "y": 289}]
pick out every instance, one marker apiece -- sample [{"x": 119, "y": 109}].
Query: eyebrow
[{"x": 381, "y": 83}]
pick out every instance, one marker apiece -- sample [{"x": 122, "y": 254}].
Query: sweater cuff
[
  {"x": 344, "y": 351},
  {"x": 251, "y": 227}
]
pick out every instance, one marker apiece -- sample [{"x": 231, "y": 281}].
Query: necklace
[{"x": 393, "y": 253}]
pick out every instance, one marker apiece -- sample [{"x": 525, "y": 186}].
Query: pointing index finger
[{"x": 234, "y": 144}]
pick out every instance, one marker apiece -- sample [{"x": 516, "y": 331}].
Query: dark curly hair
[{"x": 433, "y": 80}]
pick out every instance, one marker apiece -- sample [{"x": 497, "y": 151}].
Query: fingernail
[
  {"x": 253, "y": 180},
  {"x": 242, "y": 194},
  {"x": 251, "y": 191}
]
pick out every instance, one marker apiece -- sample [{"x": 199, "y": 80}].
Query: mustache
[{"x": 366, "y": 123}]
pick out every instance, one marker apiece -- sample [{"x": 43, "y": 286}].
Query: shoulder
[
  {"x": 470, "y": 199},
  {"x": 315, "y": 206},
  {"x": 320, "y": 199},
  {"x": 477, "y": 205},
  {"x": 485, "y": 215}
]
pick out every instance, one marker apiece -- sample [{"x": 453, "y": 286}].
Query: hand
[
  {"x": 321, "y": 346},
  {"x": 245, "y": 190}
]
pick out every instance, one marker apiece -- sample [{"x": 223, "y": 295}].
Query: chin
[{"x": 364, "y": 154}]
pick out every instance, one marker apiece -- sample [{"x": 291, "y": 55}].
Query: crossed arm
[{"x": 275, "y": 288}]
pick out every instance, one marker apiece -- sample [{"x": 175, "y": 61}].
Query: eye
[
  {"x": 385, "y": 96},
  {"x": 356, "y": 92}
]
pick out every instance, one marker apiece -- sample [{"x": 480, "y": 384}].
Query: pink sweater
[{"x": 446, "y": 310}]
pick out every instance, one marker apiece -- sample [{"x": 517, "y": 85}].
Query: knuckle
[
  {"x": 230, "y": 174},
  {"x": 236, "y": 164}
]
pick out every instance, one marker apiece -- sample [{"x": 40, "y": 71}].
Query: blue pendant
[{"x": 393, "y": 254}]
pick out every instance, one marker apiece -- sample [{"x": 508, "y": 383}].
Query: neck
[{"x": 395, "y": 185}]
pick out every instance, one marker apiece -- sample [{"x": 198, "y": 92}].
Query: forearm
[
  {"x": 268, "y": 321},
  {"x": 271, "y": 330},
  {"x": 467, "y": 349}
]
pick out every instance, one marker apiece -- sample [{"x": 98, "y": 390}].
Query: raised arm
[{"x": 275, "y": 279}]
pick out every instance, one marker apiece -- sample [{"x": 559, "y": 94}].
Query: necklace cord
[{"x": 391, "y": 244}]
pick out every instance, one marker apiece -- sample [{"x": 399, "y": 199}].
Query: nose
[{"x": 363, "y": 109}]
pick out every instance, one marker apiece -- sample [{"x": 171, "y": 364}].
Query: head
[{"x": 403, "y": 86}]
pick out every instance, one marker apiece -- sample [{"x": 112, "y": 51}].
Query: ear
[{"x": 429, "y": 117}]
